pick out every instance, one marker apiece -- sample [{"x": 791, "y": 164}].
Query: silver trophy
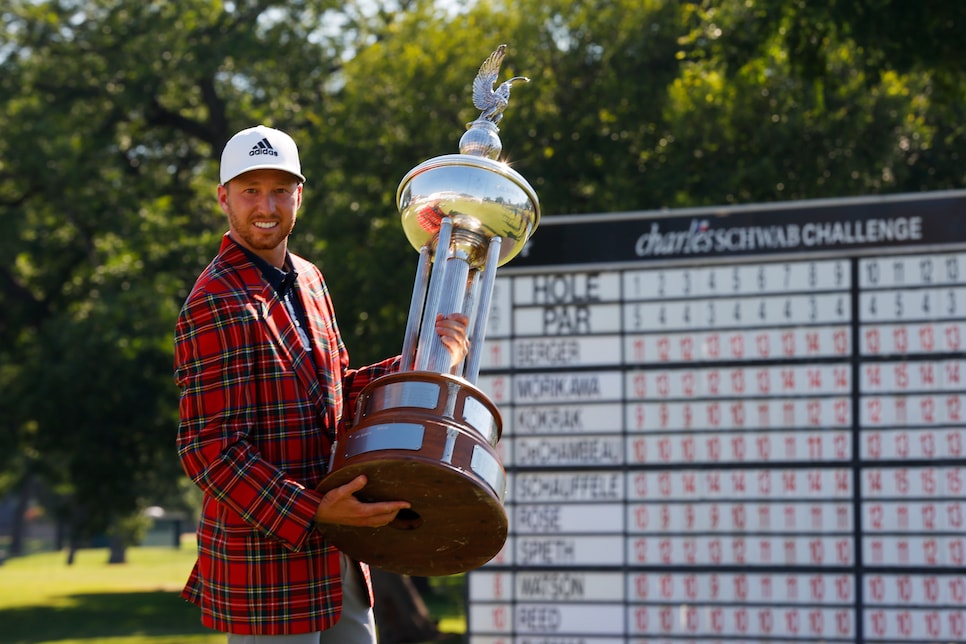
[{"x": 428, "y": 434}]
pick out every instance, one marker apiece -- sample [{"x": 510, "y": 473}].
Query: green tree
[
  {"x": 782, "y": 101},
  {"x": 114, "y": 112}
]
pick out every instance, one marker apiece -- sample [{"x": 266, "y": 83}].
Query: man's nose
[{"x": 266, "y": 203}]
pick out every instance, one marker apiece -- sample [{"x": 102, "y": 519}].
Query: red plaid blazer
[{"x": 258, "y": 418}]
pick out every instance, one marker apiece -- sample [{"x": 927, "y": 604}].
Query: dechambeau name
[
  {"x": 701, "y": 237},
  {"x": 590, "y": 450}
]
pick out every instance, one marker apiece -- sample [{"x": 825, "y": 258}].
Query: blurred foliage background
[{"x": 113, "y": 114}]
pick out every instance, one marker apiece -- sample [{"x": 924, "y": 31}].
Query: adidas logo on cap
[
  {"x": 260, "y": 148},
  {"x": 263, "y": 147}
]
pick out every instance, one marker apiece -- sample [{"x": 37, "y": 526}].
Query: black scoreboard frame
[{"x": 852, "y": 230}]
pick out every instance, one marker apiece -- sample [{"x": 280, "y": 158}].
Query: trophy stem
[
  {"x": 415, "y": 308},
  {"x": 427, "y": 326},
  {"x": 472, "y": 368},
  {"x": 469, "y": 309},
  {"x": 456, "y": 272}
]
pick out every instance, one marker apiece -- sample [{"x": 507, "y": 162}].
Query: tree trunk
[
  {"x": 18, "y": 528},
  {"x": 71, "y": 550},
  {"x": 118, "y": 551},
  {"x": 60, "y": 532},
  {"x": 401, "y": 613},
  {"x": 74, "y": 522}
]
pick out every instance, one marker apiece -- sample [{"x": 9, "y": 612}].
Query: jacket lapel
[
  {"x": 325, "y": 345},
  {"x": 279, "y": 324}
]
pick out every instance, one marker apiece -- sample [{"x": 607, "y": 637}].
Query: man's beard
[{"x": 265, "y": 239}]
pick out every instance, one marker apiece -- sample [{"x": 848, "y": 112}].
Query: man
[{"x": 265, "y": 385}]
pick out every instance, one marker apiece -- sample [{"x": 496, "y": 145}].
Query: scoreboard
[{"x": 742, "y": 423}]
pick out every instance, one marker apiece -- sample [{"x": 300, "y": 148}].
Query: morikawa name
[{"x": 701, "y": 237}]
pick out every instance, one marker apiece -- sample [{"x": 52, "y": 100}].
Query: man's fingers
[
  {"x": 452, "y": 332},
  {"x": 350, "y": 488},
  {"x": 341, "y": 506},
  {"x": 380, "y": 520}
]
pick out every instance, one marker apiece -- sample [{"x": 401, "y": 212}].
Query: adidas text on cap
[{"x": 260, "y": 148}]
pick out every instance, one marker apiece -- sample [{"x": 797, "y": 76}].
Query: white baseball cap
[{"x": 260, "y": 148}]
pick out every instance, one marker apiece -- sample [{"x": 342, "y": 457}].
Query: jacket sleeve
[{"x": 215, "y": 360}]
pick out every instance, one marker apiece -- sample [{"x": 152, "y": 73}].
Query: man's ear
[{"x": 223, "y": 198}]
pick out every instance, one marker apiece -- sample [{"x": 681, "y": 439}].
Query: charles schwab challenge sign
[
  {"x": 701, "y": 237},
  {"x": 828, "y": 225}
]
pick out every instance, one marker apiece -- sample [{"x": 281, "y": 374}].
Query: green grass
[
  {"x": 43, "y": 600},
  {"x": 447, "y": 605}
]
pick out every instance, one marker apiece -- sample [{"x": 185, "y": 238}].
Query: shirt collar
[{"x": 281, "y": 280}]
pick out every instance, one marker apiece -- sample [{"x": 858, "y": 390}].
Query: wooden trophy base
[{"x": 428, "y": 439}]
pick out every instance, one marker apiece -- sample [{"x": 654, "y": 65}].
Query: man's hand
[
  {"x": 452, "y": 332},
  {"x": 339, "y": 506}
]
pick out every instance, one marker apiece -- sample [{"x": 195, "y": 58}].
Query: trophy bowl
[{"x": 481, "y": 195}]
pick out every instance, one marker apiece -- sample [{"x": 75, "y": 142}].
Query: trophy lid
[{"x": 484, "y": 196}]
